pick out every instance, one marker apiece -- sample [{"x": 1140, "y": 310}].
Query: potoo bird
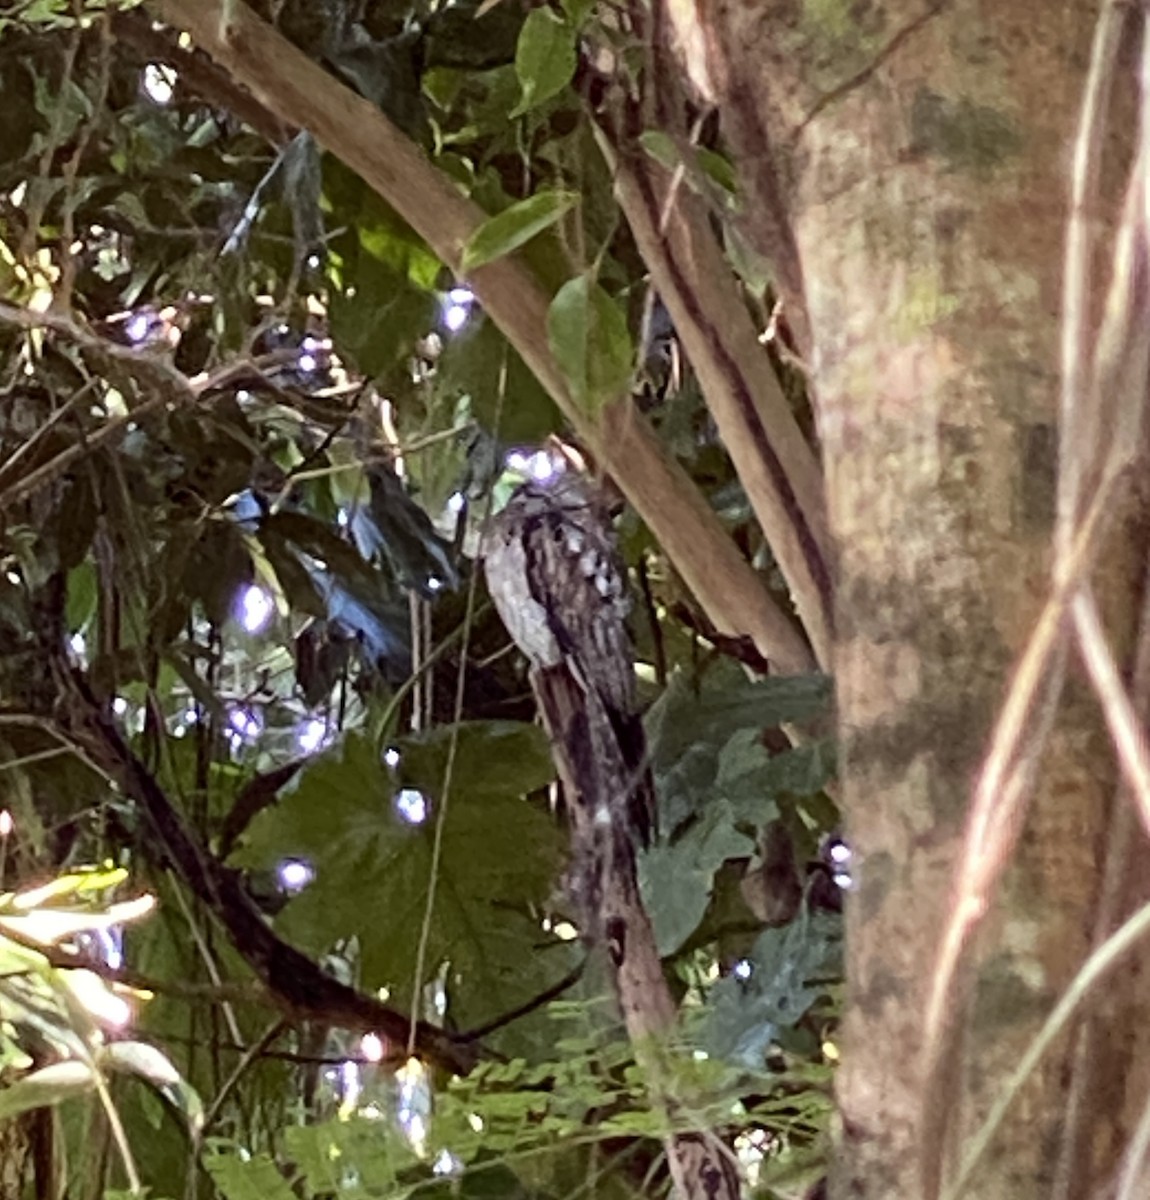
[{"x": 557, "y": 579}]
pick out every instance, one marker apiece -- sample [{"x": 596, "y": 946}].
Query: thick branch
[
  {"x": 300, "y": 93},
  {"x": 775, "y": 464},
  {"x": 589, "y": 764}
]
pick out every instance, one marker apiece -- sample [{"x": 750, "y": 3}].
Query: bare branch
[
  {"x": 776, "y": 466},
  {"x": 135, "y": 373}
]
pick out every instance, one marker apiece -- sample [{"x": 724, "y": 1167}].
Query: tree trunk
[{"x": 907, "y": 165}]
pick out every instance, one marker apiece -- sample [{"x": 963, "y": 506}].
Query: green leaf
[
  {"x": 291, "y": 575},
  {"x": 749, "y": 264},
  {"x": 718, "y": 169},
  {"x": 676, "y": 878},
  {"x": 331, "y": 1153},
  {"x": 505, "y": 397},
  {"x": 661, "y": 147},
  {"x": 578, "y": 10},
  {"x": 355, "y": 593},
  {"x": 393, "y": 526},
  {"x": 790, "y": 968},
  {"x": 247, "y": 1178},
  {"x": 748, "y": 775},
  {"x": 688, "y": 732},
  {"x": 588, "y": 335},
  {"x": 498, "y": 861},
  {"x": 515, "y": 226},
  {"x": 545, "y": 58},
  {"x": 380, "y": 315},
  {"x": 492, "y": 758},
  {"x": 681, "y": 719},
  {"x": 315, "y": 1149},
  {"x": 388, "y": 273},
  {"x": 375, "y": 1154},
  {"x": 705, "y": 164},
  {"x": 80, "y": 605}
]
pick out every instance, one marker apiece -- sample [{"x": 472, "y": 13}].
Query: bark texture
[{"x": 915, "y": 158}]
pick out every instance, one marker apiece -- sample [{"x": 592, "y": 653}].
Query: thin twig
[
  {"x": 304, "y": 990},
  {"x": 284, "y": 79},
  {"x": 777, "y": 467},
  {"x": 209, "y": 965},
  {"x": 1120, "y": 845},
  {"x": 996, "y": 815},
  {"x": 1096, "y": 968},
  {"x": 26, "y": 447},
  {"x": 1076, "y": 289},
  {"x": 1125, "y": 727},
  {"x": 119, "y": 1134},
  {"x": 56, "y": 466},
  {"x": 390, "y": 713},
  {"x": 256, "y": 1050},
  {"x": 1118, "y": 379},
  {"x": 153, "y": 377},
  {"x": 527, "y": 1007},
  {"x": 452, "y": 749}
]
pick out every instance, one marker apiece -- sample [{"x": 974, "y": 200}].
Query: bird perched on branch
[{"x": 556, "y": 577}]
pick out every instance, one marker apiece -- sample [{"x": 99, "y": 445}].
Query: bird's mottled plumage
[
  {"x": 557, "y": 580},
  {"x": 554, "y": 572}
]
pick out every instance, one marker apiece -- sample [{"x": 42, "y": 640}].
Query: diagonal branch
[
  {"x": 300, "y": 93},
  {"x": 299, "y": 986},
  {"x": 147, "y": 383},
  {"x": 775, "y": 464}
]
